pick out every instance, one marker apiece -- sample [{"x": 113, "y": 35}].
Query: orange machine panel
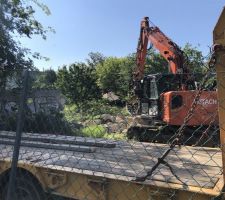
[{"x": 176, "y": 105}]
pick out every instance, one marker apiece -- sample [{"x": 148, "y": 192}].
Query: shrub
[
  {"x": 92, "y": 110},
  {"x": 96, "y": 131},
  {"x": 52, "y": 123}
]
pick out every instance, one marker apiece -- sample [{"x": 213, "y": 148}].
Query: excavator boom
[{"x": 167, "y": 48}]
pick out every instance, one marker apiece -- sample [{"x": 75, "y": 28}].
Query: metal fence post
[
  {"x": 19, "y": 128},
  {"x": 219, "y": 59}
]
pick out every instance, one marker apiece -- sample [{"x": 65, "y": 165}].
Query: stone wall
[
  {"x": 45, "y": 100},
  {"x": 39, "y": 100}
]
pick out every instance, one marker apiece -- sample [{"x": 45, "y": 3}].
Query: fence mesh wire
[{"x": 107, "y": 149}]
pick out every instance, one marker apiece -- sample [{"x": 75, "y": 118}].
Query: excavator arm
[{"x": 167, "y": 48}]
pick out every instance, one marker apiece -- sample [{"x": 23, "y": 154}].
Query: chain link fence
[{"x": 163, "y": 146}]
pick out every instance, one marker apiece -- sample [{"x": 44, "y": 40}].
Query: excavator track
[{"x": 192, "y": 136}]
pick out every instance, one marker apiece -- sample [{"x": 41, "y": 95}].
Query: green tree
[
  {"x": 17, "y": 18},
  {"x": 195, "y": 59},
  {"x": 78, "y": 83},
  {"x": 115, "y": 75},
  {"x": 155, "y": 63},
  {"x": 95, "y": 58}
]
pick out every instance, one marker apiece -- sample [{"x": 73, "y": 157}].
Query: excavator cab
[
  {"x": 163, "y": 100},
  {"x": 154, "y": 85}
]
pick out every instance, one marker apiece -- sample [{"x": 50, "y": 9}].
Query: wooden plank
[
  {"x": 46, "y": 138},
  {"x": 64, "y": 147}
]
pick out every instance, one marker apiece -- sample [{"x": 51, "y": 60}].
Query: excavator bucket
[{"x": 219, "y": 62}]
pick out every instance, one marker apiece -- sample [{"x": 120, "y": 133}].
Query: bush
[
  {"x": 51, "y": 123},
  {"x": 92, "y": 110},
  {"x": 8, "y": 122},
  {"x": 96, "y": 131}
]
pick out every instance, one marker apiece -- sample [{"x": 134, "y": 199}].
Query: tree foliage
[
  {"x": 78, "y": 83},
  {"x": 17, "y": 19},
  {"x": 94, "y": 59},
  {"x": 155, "y": 63},
  {"x": 18, "y": 16},
  {"x": 195, "y": 59},
  {"x": 115, "y": 75}
]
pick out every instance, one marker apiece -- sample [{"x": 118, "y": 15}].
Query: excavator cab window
[
  {"x": 149, "y": 104},
  {"x": 150, "y": 88},
  {"x": 160, "y": 83},
  {"x": 146, "y": 93},
  {"x": 177, "y": 101},
  {"x": 153, "y": 89}
]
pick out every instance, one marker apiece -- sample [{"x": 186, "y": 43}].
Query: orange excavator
[{"x": 161, "y": 102}]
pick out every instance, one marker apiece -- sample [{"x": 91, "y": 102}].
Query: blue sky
[{"x": 111, "y": 27}]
